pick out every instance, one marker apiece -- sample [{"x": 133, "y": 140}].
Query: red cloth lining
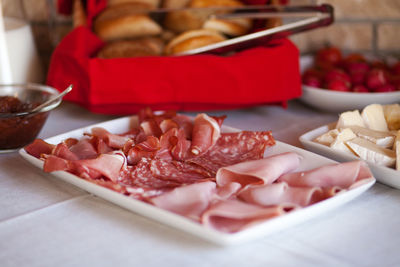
[{"x": 257, "y": 76}]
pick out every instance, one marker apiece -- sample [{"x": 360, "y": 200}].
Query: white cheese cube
[
  {"x": 383, "y": 139},
  {"x": 374, "y": 117},
  {"x": 392, "y": 116},
  {"x": 350, "y": 118},
  {"x": 343, "y": 136},
  {"x": 371, "y": 152},
  {"x": 327, "y": 138}
]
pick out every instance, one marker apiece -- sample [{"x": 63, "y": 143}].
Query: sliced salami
[
  {"x": 178, "y": 171},
  {"x": 140, "y": 175},
  {"x": 232, "y": 148}
]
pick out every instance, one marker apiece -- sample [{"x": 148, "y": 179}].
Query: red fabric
[{"x": 257, "y": 76}]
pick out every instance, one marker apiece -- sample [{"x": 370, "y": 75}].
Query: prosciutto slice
[
  {"x": 206, "y": 132},
  {"x": 262, "y": 171},
  {"x": 190, "y": 200},
  {"x": 234, "y": 215},
  {"x": 38, "y": 147},
  {"x": 112, "y": 140},
  {"x": 84, "y": 149},
  {"x": 342, "y": 175}
]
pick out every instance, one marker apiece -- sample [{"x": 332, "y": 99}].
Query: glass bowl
[{"x": 18, "y": 125}]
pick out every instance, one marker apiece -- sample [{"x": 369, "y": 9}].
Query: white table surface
[{"x": 47, "y": 222}]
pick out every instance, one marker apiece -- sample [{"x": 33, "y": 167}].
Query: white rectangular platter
[
  {"x": 382, "y": 174},
  {"x": 309, "y": 161}
]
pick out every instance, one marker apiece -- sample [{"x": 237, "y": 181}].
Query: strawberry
[{"x": 376, "y": 78}]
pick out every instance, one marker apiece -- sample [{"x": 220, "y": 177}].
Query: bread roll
[
  {"x": 231, "y": 27},
  {"x": 146, "y": 46},
  {"x": 154, "y": 3},
  {"x": 182, "y": 21},
  {"x": 175, "y": 3},
  {"x": 191, "y": 40},
  {"x": 215, "y": 3},
  {"x": 123, "y": 22}
]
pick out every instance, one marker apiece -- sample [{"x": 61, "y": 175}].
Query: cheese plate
[
  {"x": 309, "y": 161},
  {"x": 385, "y": 175}
]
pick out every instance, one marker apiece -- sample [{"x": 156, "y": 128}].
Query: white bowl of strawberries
[{"x": 335, "y": 83}]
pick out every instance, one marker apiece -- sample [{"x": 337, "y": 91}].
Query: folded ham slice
[
  {"x": 233, "y": 215},
  {"x": 262, "y": 171},
  {"x": 281, "y": 193},
  {"x": 190, "y": 200},
  {"x": 342, "y": 175}
]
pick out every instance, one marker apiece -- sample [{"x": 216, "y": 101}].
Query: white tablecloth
[{"x": 47, "y": 222}]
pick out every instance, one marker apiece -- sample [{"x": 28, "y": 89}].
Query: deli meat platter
[{"x": 261, "y": 228}]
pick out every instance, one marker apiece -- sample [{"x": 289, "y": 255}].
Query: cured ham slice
[
  {"x": 262, "y": 171},
  {"x": 108, "y": 165},
  {"x": 231, "y": 216},
  {"x": 168, "y": 124},
  {"x": 151, "y": 128},
  {"x": 232, "y": 148},
  {"x": 180, "y": 145},
  {"x": 84, "y": 149},
  {"x": 342, "y": 175},
  {"x": 54, "y": 163},
  {"x": 112, "y": 140},
  {"x": 38, "y": 147},
  {"x": 281, "y": 193},
  {"x": 61, "y": 150},
  {"x": 145, "y": 149},
  {"x": 185, "y": 123},
  {"x": 206, "y": 132},
  {"x": 190, "y": 200}
]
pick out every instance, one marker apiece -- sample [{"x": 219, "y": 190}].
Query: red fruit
[
  {"x": 376, "y": 78},
  {"x": 337, "y": 74},
  {"x": 385, "y": 88},
  {"x": 357, "y": 78},
  {"x": 328, "y": 57},
  {"x": 312, "y": 81},
  {"x": 359, "y": 88},
  {"x": 312, "y": 77},
  {"x": 396, "y": 69},
  {"x": 338, "y": 85},
  {"x": 357, "y": 67}
]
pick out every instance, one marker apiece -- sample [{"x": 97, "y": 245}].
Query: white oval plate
[
  {"x": 384, "y": 175},
  {"x": 335, "y": 101}
]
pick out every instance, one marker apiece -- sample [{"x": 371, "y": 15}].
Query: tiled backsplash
[{"x": 360, "y": 25}]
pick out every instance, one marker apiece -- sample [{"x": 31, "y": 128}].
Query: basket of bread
[{"x": 123, "y": 55}]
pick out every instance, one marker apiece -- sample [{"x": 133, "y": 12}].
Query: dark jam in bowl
[{"x": 16, "y": 131}]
